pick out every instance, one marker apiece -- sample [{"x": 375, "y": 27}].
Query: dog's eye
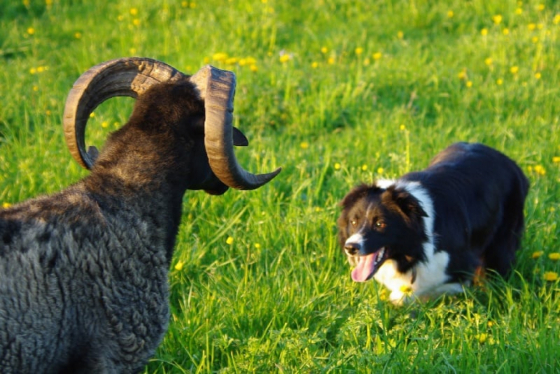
[
  {"x": 353, "y": 222},
  {"x": 380, "y": 224}
]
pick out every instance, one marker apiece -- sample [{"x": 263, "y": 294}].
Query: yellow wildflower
[
  {"x": 251, "y": 60},
  {"x": 400, "y": 34},
  {"x": 554, "y": 256},
  {"x": 484, "y": 32},
  {"x": 405, "y": 288},
  {"x": 136, "y": 22},
  {"x": 229, "y": 240},
  {"x": 377, "y": 55},
  {"x": 133, "y": 11},
  {"x": 540, "y": 7},
  {"x": 539, "y": 169},
  {"x": 220, "y": 56},
  {"x": 537, "y": 254},
  {"x": 488, "y": 61},
  {"x": 314, "y": 65},
  {"x": 35, "y": 88},
  {"x": 6, "y": 205},
  {"x": 450, "y": 14},
  {"x": 324, "y": 50},
  {"x": 285, "y": 58},
  {"x": 482, "y": 338},
  {"x": 497, "y": 19},
  {"x": 104, "y": 124},
  {"x": 254, "y": 68},
  {"x": 331, "y": 60},
  {"x": 518, "y": 11},
  {"x": 359, "y": 51},
  {"x": 364, "y": 167},
  {"x": 31, "y": 31},
  {"x": 380, "y": 170},
  {"x": 231, "y": 61},
  {"x": 538, "y": 75},
  {"x": 92, "y": 115},
  {"x": 499, "y": 81},
  {"x": 462, "y": 74},
  {"x": 257, "y": 246},
  {"x": 556, "y": 159},
  {"x": 184, "y": 4},
  {"x": 532, "y": 26},
  {"x": 556, "y": 19},
  {"x": 505, "y": 31},
  {"x": 514, "y": 69},
  {"x": 550, "y": 276},
  {"x": 78, "y": 35},
  {"x": 336, "y": 166},
  {"x": 468, "y": 84},
  {"x": 304, "y": 145},
  {"x": 535, "y": 39},
  {"x": 179, "y": 265}
]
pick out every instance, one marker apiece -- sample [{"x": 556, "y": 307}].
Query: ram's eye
[{"x": 380, "y": 224}]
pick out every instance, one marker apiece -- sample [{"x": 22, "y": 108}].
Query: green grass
[{"x": 279, "y": 298}]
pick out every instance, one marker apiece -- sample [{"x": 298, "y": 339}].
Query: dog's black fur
[{"x": 468, "y": 204}]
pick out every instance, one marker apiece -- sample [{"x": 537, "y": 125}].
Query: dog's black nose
[{"x": 352, "y": 248}]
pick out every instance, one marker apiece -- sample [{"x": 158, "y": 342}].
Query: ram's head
[{"x": 134, "y": 76}]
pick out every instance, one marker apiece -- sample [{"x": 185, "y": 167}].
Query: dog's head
[{"x": 377, "y": 224}]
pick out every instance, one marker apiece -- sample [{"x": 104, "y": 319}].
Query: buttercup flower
[
  {"x": 554, "y": 256},
  {"x": 550, "y": 276}
]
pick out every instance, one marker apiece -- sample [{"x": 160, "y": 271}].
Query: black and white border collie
[{"x": 428, "y": 232}]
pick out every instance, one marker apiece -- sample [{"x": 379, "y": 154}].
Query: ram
[{"x": 83, "y": 273}]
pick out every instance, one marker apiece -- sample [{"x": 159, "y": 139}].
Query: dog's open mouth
[{"x": 368, "y": 265}]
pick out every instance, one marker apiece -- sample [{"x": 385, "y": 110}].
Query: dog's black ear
[{"x": 408, "y": 204}]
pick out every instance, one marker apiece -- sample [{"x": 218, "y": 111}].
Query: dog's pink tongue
[{"x": 364, "y": 268}]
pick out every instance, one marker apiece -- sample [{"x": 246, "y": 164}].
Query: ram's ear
[{"x": 239, "y": 139}]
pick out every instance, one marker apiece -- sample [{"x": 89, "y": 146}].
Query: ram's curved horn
[
  {"x": 217, "y": 88},
  {"x": 119, "y": 77}
]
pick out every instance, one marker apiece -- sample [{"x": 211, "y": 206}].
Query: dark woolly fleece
[{"x": 83, "y": 273}]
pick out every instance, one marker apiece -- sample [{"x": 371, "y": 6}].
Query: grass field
[{"x": 336, "y": 92}]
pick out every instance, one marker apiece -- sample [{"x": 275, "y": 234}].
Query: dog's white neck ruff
[{"x": 427, "y": 278}]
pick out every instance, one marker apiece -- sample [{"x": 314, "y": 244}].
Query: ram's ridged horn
[
  {"x": 119, "y": 77},
  {"x": 217, "y": 88}
]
